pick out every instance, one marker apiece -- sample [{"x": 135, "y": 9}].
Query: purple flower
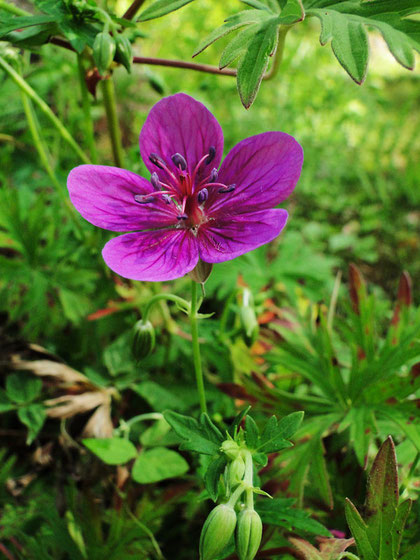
[{"x": 190, "y": 208}]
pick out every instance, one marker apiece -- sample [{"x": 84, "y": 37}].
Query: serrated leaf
[
  {"x": 292, "y": 12},
  {"x": 231, "y": 23},
  {"x": 21, "y": 22},
  {"x": 278, "y": 511},
  {"x": 320, "y": 474},
  {"x": 212, "y": 476},
  {"x": 22, "y": 387},
  {"x": 237, "y": 421},
  {"x": 382, "y": 499},
  {"x": 358, "y": 529},
  {"x": 276, "y": 433},
  {"x": 251, "y": 433},
  {"x": 255, "y": 60},
  {"x": 257, "y": 4},
  {"x": 344, "y": 23},
  {"x": 33, "y": 416},
  {"x": 112, "y": 451},
  {"x": 196, "y": 437},
  {"x": 238, "y": 45},
  {"x": 158, "y": 464},
  {"x": 161, "y": 8}
]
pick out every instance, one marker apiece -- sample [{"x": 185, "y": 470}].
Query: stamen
[
  {"x": 156, "y": 160},
  {"x": 203, "y": 196},
  {"x": 154, "y": 179},
  {"x": 179, "y": 161},
  {"x": 213, "y": 176},
  {"x": 167, "y": 198},
  {"x": 227, "y": 189},
  {"x": 182, "y": 217},
  {"x": 143, "y": 198},
  {"x": 211, "y": 156}
]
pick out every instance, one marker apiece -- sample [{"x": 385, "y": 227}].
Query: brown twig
[
  {"x": 133, "y": 9},
  {"x": 182, "y": 64},
  {"x": 6, "y": 553}
]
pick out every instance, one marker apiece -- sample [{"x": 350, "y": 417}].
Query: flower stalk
[
  {"x": 108, "y": 91},
  {"x": 195, "y": 305}
]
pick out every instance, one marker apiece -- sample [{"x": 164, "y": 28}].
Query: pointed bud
[
  {"x": 230, "y": 448},
  {"x": 236, "y": 471},
  {"x": 143, "y": 339},
  {"x": 201, "y": 272},
  {"x": 103, "y": 51},
  {"x": 248, "y": 534},
  {"x": 217, "y": 531},
  {"x": 124, "y": 53}
]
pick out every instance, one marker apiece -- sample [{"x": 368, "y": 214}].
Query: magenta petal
[
  {"x": 180, "y": 124},
  {"x": 152, "y": 255},
  {"x": 228, "y": 237},
  {"x": 104, "y": 196},
  {"x": 265, "y": 169}
]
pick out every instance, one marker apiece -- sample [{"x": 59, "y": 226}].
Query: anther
[
  {"x": 154, "y": 179},
  {"x": 213, "y": 176},
  {"x": 167, "y": 198},
  {"x": 179, "y": 161},
  {"x": 182, "y": 217},
  {"x": 211, "y": 156},
  {"x": 227, "y": 189},
  {"x": 202, "y": 196},
  {"x": 156, "y": 160},
  {"x": 143, "y": 198}
]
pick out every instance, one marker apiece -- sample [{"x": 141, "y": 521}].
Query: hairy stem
[
  {"x": 44, "y": 157},
  {"x": 86, "y": 106},
  {"x": 196, "y": 347},
  {"x": 159, "y": 297},
  {"x": 183, "y": 64},
  {"x": 108, "y": 92},
  {"x": 31, "y": 93}
]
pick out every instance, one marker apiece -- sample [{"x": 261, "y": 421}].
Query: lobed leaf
[
  {"x": 197, "y": 437},
  {"x": 112, "y": 451},
  {"x": 158, "y": 464},
  {"x": 161, "y": 8}
]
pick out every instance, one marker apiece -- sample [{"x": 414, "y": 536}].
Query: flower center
[{"x": 189, "y": 192}]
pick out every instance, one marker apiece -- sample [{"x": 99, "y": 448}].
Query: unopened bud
[
  {"x": 236, "y": 471},
  {"x": 124, "y": 53},
  {"x": 201, "y": 271},
  {"x": 230, "y": 448},
  {"x": 143, "y": 339},
  {"x": 217, "y": 531},
  {"x": 248, "y": 534},
  {"x": 103, "y": 51}
]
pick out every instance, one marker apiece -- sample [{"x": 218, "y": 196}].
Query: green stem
[
  {"x": 170, "y": 297},
  {"x": 108, "y": 92},
  {"x": 249, "y": 480},
  {"x": 43, "y": 156},
  {"x": 196, "y": 347},
  {"x": 26, "y": 88},
  {"x": 86, "y": 106},
  {"x": 144, "y": 417},
  {"x": 236, "y": 495},
  {"x": 13, "y": 9}
]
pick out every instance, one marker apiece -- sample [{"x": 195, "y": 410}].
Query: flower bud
[
  {"x": 248, "y": 534},
  {"x": 217, "y": 531},
  {"x": 124, "y": 53},
  {"x": 143, "y": 339},
  {"x": 103, "y": 51},
  {"x": 231, "y": 448},
  {"x": 236, "y": 471},
  {"x": 201, "y": 271},
  {"x": 249, "y": 325}
]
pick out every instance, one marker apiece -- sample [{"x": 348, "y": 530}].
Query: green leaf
[
  {"x": 255, "y": 60},
  {"x": 344, "y": 24},
  {"x": 212, "y": 476},
  {"x": 5, "y": 403},
  {"x": 382, "y": 500},
  {"x": 238, "y": 45},
  {"x": 320, "y": 474},
  {"x": 112, "y": 451},
  {"x": 196, "y": 437},
  {"x": 292, "y": 12},
  {"x": 233, "y": 22},
  {"x": 358, "y": 529},
  {"x": 10, "y": 24},
  {"x": 22, "y": 387},
  {"x": 233, "y": 428},
  {"x": 403, "y": 511},
  {"x": 412, "y": 554},
  {"x": 158, "y": 464},
  {"x": 161, "y": 8},
  {"x": 33, "y": 416},
  {"x": 276, "y": 433},
  {"x": 158, "y": 397},
  {"x": 278, "y": 511},
  {"x": 251, "y": 433}
]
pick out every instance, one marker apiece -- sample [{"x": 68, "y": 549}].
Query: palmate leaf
[
  {"x": 344, "y": 23},
  {"x": 161, "y": 8}
]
